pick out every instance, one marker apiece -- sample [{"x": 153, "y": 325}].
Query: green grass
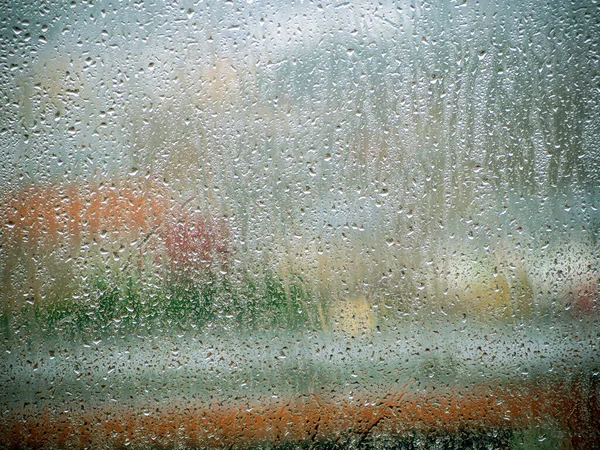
[{"x": 130, "y": 304}]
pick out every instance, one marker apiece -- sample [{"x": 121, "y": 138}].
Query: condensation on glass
[{"x": 362, "y": 224}]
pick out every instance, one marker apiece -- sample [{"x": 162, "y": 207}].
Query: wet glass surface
[{"x": 299, "y": 224}]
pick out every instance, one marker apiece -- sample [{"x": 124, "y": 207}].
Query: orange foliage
[
  {"x": 243, "y": 422},
  {"x": 45, "y": 214}
]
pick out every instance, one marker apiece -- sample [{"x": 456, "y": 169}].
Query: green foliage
[
  {"x": 130, "y": 304},
  {"x": 284, "y": 303}
]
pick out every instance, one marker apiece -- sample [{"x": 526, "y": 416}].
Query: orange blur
[
  {"x": 574, "y": 407},
  {"x": 44, "y": 214}
]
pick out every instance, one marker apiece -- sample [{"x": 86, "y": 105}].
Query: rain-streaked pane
[{"x": 262, "y": 224}]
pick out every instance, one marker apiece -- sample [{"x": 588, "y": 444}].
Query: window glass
[{"x": 300, "y": 224}]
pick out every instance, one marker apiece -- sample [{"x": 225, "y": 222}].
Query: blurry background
[
  {"x": 361, "y": 159},
  {"x": 322, "y": 224}
]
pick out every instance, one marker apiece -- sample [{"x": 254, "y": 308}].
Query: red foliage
[
  {"x": 46, "y": 216},
  {"x": 584, "y": 300},
  {"x": 195, "y": 242}
]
